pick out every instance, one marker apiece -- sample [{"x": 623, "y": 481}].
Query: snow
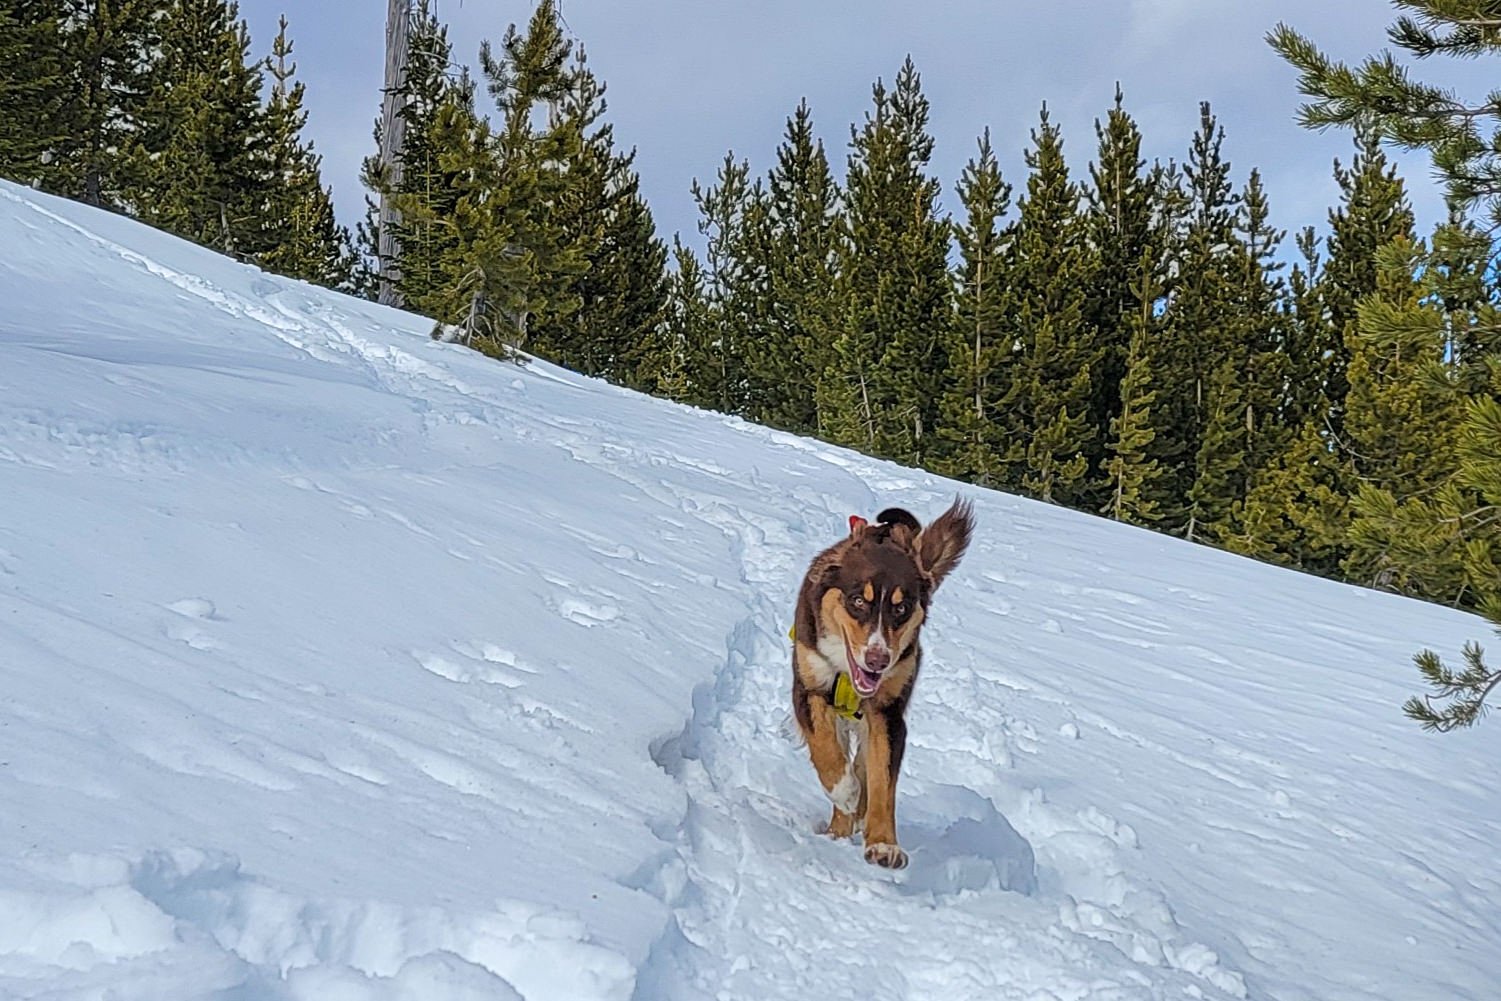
[{"x": 343, "y": 664}]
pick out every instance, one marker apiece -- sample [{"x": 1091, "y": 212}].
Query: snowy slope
[{"x": 340, "y": 664}]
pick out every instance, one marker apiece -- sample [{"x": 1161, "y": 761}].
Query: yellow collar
[{"x": 846, "y": 701}]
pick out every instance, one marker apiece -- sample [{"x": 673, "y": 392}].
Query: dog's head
[{"x": 878, "y": 590}]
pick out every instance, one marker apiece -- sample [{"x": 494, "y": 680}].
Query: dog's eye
[
  {"x": 856, "y": 601},
  {"x": 899, "y": 609}
]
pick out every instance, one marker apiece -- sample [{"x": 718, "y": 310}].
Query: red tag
[{"x": 857, "y": 523}]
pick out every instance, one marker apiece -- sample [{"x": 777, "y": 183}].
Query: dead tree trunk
[{"x": 392, "y": 134}]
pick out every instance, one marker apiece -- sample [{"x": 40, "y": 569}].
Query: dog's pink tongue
[{"x": 865, "y": 681}]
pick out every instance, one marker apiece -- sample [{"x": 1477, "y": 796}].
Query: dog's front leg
[
  {"x": 887, "y": 738},
  {"x": 844, "y": 822},
  {"x": 829, "y": 748}
]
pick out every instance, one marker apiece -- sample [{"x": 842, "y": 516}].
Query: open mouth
[{"x": 865, "y": 682}]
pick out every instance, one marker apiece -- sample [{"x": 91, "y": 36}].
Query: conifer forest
[{"x": 1133, "y": 339}]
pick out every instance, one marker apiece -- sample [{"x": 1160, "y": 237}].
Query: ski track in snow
[{"x": 552, "y": 758}]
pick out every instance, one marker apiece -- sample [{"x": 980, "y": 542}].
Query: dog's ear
[
  {"x": 941, "y": 544},
  {"x": 858, "y": 525}
]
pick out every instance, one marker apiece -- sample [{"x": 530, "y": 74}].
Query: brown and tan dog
[{"x": 859, "y": 612}]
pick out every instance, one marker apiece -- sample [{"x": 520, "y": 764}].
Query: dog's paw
[
  {"x": 841, "y": 825},
  {"x": 886, "y": 856},
  {"x": 846, "y": 793}
]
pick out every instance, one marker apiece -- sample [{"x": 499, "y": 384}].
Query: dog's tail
[
  {"x": 942, "y": 544},
  {"x": 899, "y": 516}
]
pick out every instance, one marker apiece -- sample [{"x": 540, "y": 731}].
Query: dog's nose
[{"x": 877, "y": 659}]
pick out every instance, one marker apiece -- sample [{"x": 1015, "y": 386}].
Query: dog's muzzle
[{"x": 867, "y": 669}]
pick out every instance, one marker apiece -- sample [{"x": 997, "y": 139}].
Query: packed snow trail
[
  {"x": 957, "y": 923},
  {"x": 342, "y": 664}
]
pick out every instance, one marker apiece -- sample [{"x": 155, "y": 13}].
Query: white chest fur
[{"x": 825, "y": 662}]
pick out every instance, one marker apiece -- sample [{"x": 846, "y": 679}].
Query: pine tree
[
  {"x": 1220, "y": 465},
  {"x": 1374, "y": 211},
  {"x": 458, "y": 285},
  {"x": 1200, "y": 325},
  {"x": 365, "y": 281},
  {"x": 33, "y": 88},
  {"x": 1425, "y": 516},
  {"x": 1050, "y": 388},
  {"x": 1380, "y": 97},
  {"x": 428, "y": 190},
  {"x": 299, "y": 233},
  {"x": 1244, "y": 430},
  {"x": 1409, "y": 376},
  {"x": 1296, "y": 513},
  {"x": 1124, "y": 232},
  {"x": 196, "y": 160},
  {"x": 982, "y": 339},
  {"x": 509, "y": 260},
  {"x": 730, "y": 211},
  {"x": 799, "y": 249},
  {"x": 1134, "y": 476},
  {"x": 1262, "y": 297},
  {"x": 682, "y": 362},
  {"x": 622, "y": 292},
  {"x": 1297, "y": 508},
  {"x": 1308, "y": 337},
  {"x": 630, "y": 286},
  {"x": 1467, "y": 508},
  {"x": 109, "y": 51},
  {"x": 889, "y": 358}
]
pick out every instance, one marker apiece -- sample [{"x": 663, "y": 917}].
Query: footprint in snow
[
  {"x": 196, "y": 609},
  {"x": 587, "y": 613},
  {"x": 959, "y": 842},
  {"x": 473, "y": 667}
]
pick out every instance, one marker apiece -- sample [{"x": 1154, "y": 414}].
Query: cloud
[{"x": 690, "y": 79}]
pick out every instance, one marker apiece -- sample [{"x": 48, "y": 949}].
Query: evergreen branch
[
  {"x": 1467, "y": 689},
  {"x": 1453, "y": 110}
]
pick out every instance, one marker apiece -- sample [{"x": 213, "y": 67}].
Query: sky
[{"x": 689, "y": 80}]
